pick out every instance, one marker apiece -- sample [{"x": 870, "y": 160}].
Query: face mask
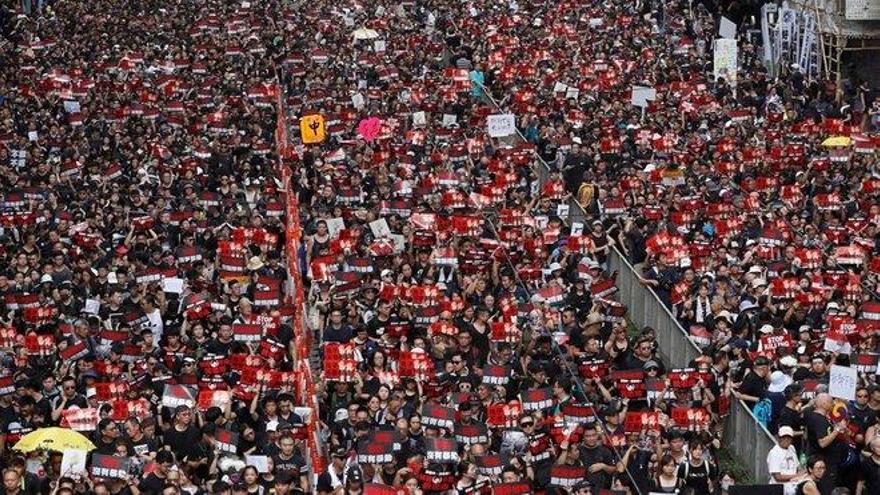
[{"x": 725, "y": 485}]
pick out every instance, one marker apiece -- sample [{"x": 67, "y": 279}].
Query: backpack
[{"x": 763, "y": 412}]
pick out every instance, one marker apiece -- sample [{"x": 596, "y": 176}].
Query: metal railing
[{"x": 744, "y": 436}]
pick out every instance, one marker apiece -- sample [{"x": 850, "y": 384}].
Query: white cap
[
  {"x": 755, "y": 269},
  {"x": 785, "y": 431},
  {"x": 555, "y": 266},
  {"x": 766, "y": 329},
  {"x": 778, "y": 382},
  {"x": 46, "y": 278},
  {"x": 788, "y": 362},
  {"x": 341, "y": 414},
  {"x": 272, "y": 425}
]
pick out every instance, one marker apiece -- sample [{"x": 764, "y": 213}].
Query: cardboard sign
[
  {"x": 724, "y": 60},
  {"x": 419, "y": 119},
  {"x": 843, "y": 382},
  {"x": 261, "y": 462},
  {"x": 380, "y": 228},
  {"x": 501, "y": 125},
  {"x": 641, "y": 95},
  {"x": 71, "y": 106},
  {"x": 109, "y": 466},
  {"x": 73, "y": 461},
  {"x": 172, "y": 285},
  {"x": 334, "y": 226},
  {"x": 93, "y": 306},
  {"x": 312, "y": 129},
  {"x": 179, "y": 395},
  {"x": 727, "y": 29}
]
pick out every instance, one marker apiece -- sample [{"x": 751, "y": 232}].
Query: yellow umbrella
[
  {"x": 57, "y": 439},
  {"x": 837, "y": 141}
]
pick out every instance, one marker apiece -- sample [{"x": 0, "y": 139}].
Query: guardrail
[
  {"x": 746, "y": 438},
  {"x": 302, "y": 337}
]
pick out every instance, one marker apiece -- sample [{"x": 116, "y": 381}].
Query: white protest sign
[
  {"x": 541, "y": 221},
  {"x": 73, "y": 461},
  {"x": 419, "y": 119},
  {"x": 572, "y": 93},
  {"x": 641, "y": 95},
  {"x": 559, "y": 87},
  {"x": 380, "y": 228},
  {"x": 501, "y": 125},
  {"x": 33, "y": 135},
  {"x": 93, "y": 306},
  {"x": 71, "y": 106},
  {"x": 334, "y": 225},
  {"x": 379, "y": 46},
  {"x": 172, "y": 285},
  {"x": 399, "y": 243},
  {"x": 562, "y": 211},
  {"x": 449, "y": 119},
  {"x": 724, "y": 60},
  {"x": 357, "y": 100},
  {"x": 727, "y": 29},
  {"x": 843, "y": 382},
  {"x": 577, "y": 228},
  {"x": 261, "y": 462}
]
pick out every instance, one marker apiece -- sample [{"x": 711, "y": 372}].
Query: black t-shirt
[
  {"x": 325, "y": 482},
  {"x": 295, "y": 464},
  {"x": 792, "y": 418},
  {"x": 753, "y": 385},
  {"x": 818, "y": 426},
  {"x": 697, "y": 477},
  {"x": 151, "y": 484},
  {"x": 144, "y": 445},
  {"x": 183, "y": 442},
  {"x": 588, "y": 456},
  {"x": 870, "y": 470}
]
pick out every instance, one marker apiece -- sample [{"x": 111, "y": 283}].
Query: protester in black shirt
[
  {"x": 870, "y": 468},
  {"x": 153, "y": 483},
  {"x": 824, "y": 439},
  {"x": 182, "y": 436},
  {"x": 600, "y": 461},
  {"x": 754, "y": 384},
  {"x": 698, "y": 473}
]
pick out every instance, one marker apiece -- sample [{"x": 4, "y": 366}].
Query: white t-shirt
[{"x": 783, "y": 461}]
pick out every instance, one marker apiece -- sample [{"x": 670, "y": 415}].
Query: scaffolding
[{"x": 838, "y": 35}]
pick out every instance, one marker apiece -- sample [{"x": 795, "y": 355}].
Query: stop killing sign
[{"x": 312, "y": 130}]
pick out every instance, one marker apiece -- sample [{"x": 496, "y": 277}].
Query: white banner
[{"x": 725, "y": 60}]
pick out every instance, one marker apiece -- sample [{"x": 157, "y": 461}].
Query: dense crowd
[{"x": 467, "y": 337}]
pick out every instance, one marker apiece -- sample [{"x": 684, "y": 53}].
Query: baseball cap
[{"x": 785, "y": 431}]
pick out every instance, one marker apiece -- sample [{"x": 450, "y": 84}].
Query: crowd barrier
[
  {"x": 302, "y": 341},
  {"x": 744, "y": 436}
]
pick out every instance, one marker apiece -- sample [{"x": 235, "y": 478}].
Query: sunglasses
[{"x": 527, "y": 425}]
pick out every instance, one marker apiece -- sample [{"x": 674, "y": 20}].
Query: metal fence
[{"x": 744, "y": 436}]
